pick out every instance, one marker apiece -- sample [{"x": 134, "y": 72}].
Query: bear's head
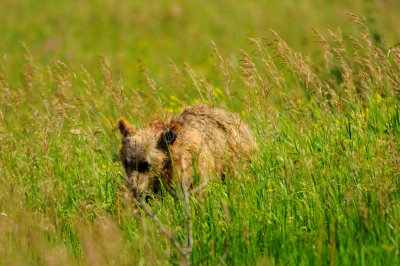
[{"x": 146, "y": 155}]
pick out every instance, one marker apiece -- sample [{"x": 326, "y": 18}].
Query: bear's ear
[
  {"x": 125, "y": 129},
  {"x": 169, "y": 137}
]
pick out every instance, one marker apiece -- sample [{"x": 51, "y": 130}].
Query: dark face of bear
[{"x": 145, "y": 157}]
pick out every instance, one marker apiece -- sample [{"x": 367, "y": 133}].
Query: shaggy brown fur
[{"x": 204, "y": 138}]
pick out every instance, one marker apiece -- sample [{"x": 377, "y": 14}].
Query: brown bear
[{"x": 202, "y": 139}]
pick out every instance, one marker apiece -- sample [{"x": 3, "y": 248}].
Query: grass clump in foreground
[{"x": 323, "y": 189}]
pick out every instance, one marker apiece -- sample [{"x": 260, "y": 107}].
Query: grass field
[{"x": 319, "y": 86}]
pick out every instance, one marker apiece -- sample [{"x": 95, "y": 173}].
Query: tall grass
[{"x": 323, "y": 188}]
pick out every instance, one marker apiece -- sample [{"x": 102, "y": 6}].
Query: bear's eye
[
  {"x": 126, "y": 164},
  {"x": 143, "y": 167}
]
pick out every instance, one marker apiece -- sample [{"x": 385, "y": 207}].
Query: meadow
[{"x": 318, "y": 82}]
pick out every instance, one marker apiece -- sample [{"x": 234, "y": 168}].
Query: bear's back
[{"x": 213, "y": 134}]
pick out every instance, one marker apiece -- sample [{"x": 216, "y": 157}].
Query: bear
[{"x": 202, "y": 141}]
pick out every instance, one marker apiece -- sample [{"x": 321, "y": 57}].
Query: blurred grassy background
[{"x": 78, "y": 32}]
